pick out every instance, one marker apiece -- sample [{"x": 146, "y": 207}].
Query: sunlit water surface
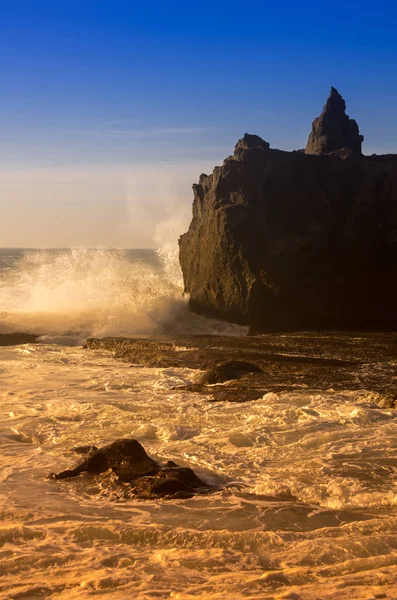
[{"x": 307, "y": 500}]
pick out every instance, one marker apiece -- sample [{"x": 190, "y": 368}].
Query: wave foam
[{"x": 99, "y": 292}]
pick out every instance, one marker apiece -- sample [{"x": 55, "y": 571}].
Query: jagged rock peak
[
  {"x": 250, "y": 141},
  {"x": 335, "y": 102},
  {"x": 333, "y": 129}
]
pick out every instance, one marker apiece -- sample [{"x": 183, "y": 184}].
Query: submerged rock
[
  {"x": 84, "y": 449},
  {"x": 204, "y": 351},
  {"x": 226, "y": 371},
  {"x": 247, "y": 367},
  {"x": 240, "y": 387},
  {"x": 128, "y": 460},
  {"x": 382, "y": 400},
  {"x": 291, "y": 240}
]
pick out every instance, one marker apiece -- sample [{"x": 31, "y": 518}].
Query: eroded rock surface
[{"x": 128, "y": 460}]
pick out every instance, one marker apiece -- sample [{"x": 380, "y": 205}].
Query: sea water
[{"x": 306, "y": 498}]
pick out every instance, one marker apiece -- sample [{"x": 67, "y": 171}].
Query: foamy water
[
  {"x": 86, "y": 292},
  {"x": 307, "y": 500}
]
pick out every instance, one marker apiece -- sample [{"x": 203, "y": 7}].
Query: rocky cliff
[
  {"x": 334, "y": 129},
  {"x": 297, "y": 240}
]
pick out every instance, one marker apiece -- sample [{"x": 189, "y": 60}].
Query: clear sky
[{"x": 110, "y": 109}]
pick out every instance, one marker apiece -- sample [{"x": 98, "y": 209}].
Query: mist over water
[
  {"x": 82, "y": 292},
  {"x": 166, "y": 237}
]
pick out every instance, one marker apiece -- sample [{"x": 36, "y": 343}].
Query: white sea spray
[{"x": 85, "y": 292}]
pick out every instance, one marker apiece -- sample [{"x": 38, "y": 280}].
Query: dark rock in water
[
  {"x": 203, "y": 351},
  {"x": 16, "y": 339},
  {"x": 287, "y": 241},
  {"x": 382, "y": 400},
  {"x": 129, "y": 461},
  {"x": 333, "y": 129},
  {"x": 240, "y": 388},
  {"x": 388, "y": 401},
  {"x": 84, "y": 449},
  {"x": 227, "y": 370},
  {"x": 313, "y": 362},
  {"x": 118, "y": 456},
  {"x": 170, "y": 481},
  {"x": 281, "y": 363}
]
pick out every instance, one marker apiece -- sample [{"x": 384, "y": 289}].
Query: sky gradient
[{"x": 109, "y": 111}]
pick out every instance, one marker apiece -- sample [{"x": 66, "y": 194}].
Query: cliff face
[{"x": 289, "y": 240}]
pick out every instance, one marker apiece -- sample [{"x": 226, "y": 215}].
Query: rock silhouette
[
  {"x": 292, "y": 240},
  {"x": 333, "y": 129},
  {"x": 128, "y": 460}
]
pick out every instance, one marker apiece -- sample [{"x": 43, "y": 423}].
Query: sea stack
[
  {"x": 333, "y": 129},
  {"x": 297, "y": 240}
]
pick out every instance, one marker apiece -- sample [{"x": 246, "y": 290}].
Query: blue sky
[{"x": 99, "y": 97}]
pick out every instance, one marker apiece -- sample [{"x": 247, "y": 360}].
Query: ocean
[{"x": 306, "y": 499}]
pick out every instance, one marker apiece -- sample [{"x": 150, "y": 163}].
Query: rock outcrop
[
  {"x": 226, "y": 371},
  {"x": 333, "y": 130},
  {"x": 16, "y": 339},
  {"x": 245, "y": 368},
  {"x": 130, "y": 463},
  {"x": 293, "y": 240}
]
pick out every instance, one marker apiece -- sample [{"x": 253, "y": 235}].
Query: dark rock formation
[
  {"x": 129, "y": 461},
  {"x": 205, "y": 352},
  {"x": 288, "y": 240},
  {"x": 226, "y": 371},
  {"x": 313, "y": 362},
  {"x": 250, "y": 141},
  {"x": 252, "y": 365},
  {"x": 16, "y": 339},
  {"x": 382, "y": 400},
  {"x": 84, "y": 449},
  {"x": 333, "y": 129}
]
